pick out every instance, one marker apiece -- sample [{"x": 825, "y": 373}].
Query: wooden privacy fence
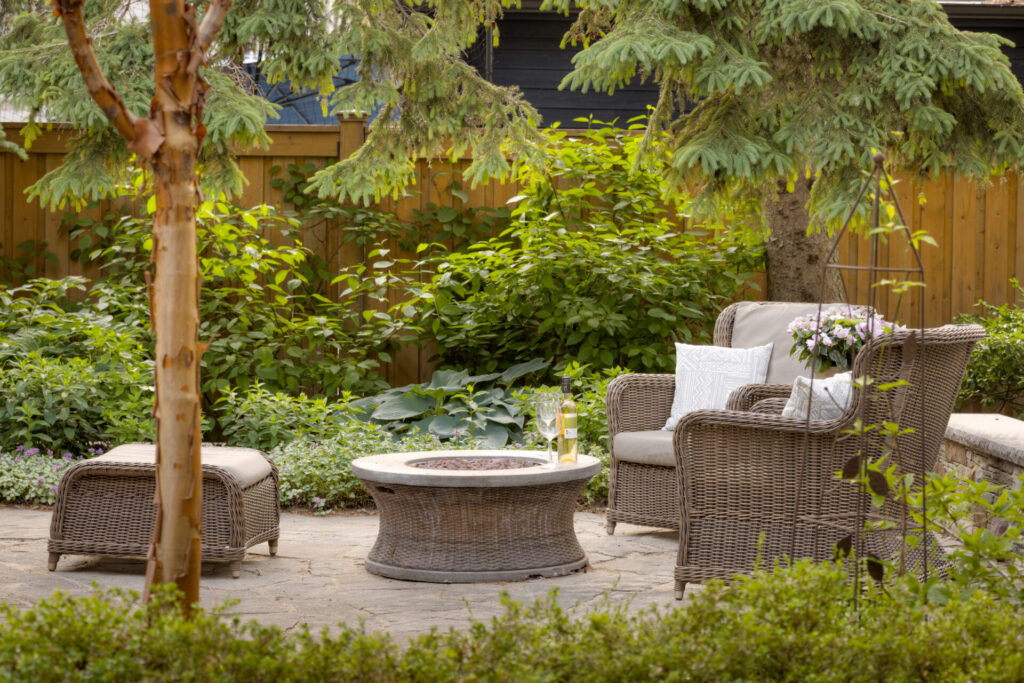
[{"x": 979, "y": 229}]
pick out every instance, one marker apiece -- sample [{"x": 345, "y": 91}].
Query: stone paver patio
[{"x": 318, "y": 576}]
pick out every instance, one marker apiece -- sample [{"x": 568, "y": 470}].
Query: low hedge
[{"x": 793, "y": 624}]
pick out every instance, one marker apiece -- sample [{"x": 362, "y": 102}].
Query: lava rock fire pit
[{"x": 467, "y": 516}]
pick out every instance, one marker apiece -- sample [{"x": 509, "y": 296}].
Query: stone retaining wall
[{"x": 983, "y": 447}]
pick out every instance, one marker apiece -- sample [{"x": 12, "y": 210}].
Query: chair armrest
[
  {"x": 639, "y": 402},
  {"x": 744, "y": 397},
  {"x": 773, "y": 406}
]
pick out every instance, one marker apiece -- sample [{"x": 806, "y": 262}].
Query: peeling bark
[
  {"x": 170, "y": 139},
  {"x": 796, "y": 260}
]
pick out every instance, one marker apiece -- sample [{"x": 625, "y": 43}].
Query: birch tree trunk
[{"x": 170, "y": 140}]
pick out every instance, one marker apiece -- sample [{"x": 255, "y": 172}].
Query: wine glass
[{"x": 547, "y": 417}]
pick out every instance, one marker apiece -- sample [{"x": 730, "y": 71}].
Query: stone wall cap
[
  {"x": 997, "y": 435},
  {"x": 394, "y": 468}
]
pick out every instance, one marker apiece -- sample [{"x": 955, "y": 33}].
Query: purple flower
[
  {"x": 40, "y": 480},
  {"x": 68, "y": 456},
  {"x": 49, "y": 451},
  {"x": 53, "y": 489},
  {"x": 32, "y": 451},
  {"x": 19, "y": 449},
  {"x": 811, "y": 343},
  {"x": 826, "y": 340},
  {"x": 58, "y": 467}
]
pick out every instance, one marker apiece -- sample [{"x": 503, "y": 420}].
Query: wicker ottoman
[{"x": 105, "y": 505}]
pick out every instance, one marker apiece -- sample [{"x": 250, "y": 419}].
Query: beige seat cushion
[
  {"x": 757, "y": 324},
  {"x": 247, "y": 465},
  {"x": 645, "y": 448}
]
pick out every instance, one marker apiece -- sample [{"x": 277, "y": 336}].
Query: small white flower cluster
[{"x": 839, "y": 330}]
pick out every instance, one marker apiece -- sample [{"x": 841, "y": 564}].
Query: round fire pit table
[{"x": 445, "y": 524}]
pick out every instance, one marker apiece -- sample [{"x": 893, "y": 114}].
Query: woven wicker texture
[
  {"x": 473, "y": 529},
  {"x": 742, "y": 475},
  {"x": 645, "y": 494},
  {"x": 106, "y": 508}
]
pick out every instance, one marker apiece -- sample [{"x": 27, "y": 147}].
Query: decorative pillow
[
  {"x": 832, "y": 396},
  {"x": 706, "y": 375}
]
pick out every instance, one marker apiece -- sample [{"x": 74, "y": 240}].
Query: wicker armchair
[
  {"x": 642, "y": 486},
  {"x": 744, "y": 476}
]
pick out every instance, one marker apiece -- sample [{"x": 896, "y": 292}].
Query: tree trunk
[
  {"x": 796, "y": 260},
  {"x": 175, "y": 554}
]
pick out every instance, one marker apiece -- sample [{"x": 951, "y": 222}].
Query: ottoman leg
[
  {"x": 51, "y": 563},
  {"x": 236, "y": 568},
  {"x": 610, "y": 527},
  {"x": 273, "y": 546},
  {"x": 680, "y": 587}
]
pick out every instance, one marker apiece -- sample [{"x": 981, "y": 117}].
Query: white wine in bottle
[{"x": 567, "y": 437}]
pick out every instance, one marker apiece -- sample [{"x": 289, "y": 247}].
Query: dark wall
[{"x": 529, "y": 56}]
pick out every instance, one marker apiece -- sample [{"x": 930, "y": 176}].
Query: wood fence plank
[{"x": 997, "y": 223}]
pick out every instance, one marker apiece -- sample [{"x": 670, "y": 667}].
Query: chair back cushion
[{"x": 759, "y": 322}]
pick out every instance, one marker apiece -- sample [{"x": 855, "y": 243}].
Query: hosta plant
[{"x": 454, "y": 403}]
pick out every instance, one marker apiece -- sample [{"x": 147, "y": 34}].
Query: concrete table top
[{"x": 395, "y": 468}]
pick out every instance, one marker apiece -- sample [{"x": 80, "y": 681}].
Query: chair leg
[
  {"x": 273, "y": 546},
  {"x": 236, "y": 568},
  {"x": 610, "y": 527},
  {"x": 51, "y": 563},
  {"x": 680, "y": 587}
]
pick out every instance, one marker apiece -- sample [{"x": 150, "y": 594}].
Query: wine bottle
[{"x": 567, "y": 436}]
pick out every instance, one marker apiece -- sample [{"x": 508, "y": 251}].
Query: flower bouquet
[{"x": 838, "y": 333}]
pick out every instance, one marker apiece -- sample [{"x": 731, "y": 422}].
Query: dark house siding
[{"x": 529, "y": 56}]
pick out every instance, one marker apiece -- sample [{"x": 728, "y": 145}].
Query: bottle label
[{"x": 570, "y": 432}]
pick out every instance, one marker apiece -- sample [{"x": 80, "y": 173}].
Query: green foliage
[
  {"x": 600, "y": 270},
  {"x": 986, "y": 522},
  {"x": 30, "y": 476},
  {"x": 795, "y": 623},
  {"x": 454, "y": 403},
  {"x": 258, "y": 418},
  {"x": 318, "y": 473},
  {"x": 261, "y": 310},
  {"x": 784, "y": 88},
  {"x": 995, "y": 372},
  {"x": 73, "y": 374}
]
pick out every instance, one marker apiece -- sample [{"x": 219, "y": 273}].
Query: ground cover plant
[{"x": 795, "y": 623}]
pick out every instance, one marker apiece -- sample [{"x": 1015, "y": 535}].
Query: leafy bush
[
  {"x": 318, "y": 473},
  {"x": 258, "y": 418},
  {"x": 454, "y": 403},
  {"x": 995, "y": 372},
  {"x": 595, "y": 269},
  {"x": 72, "y": 374},
  {"x": 30, "y": 476},
  {"x": 793, "y": 624},
  {"x": 260, "y": 311}
]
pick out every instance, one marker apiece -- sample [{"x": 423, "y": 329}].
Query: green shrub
[
  {"x": 73, "y": 375},
  {"x": 318, "y": 473},
  {"x": 258, "y": 418},
  {"x": 995, "y": 372},
  {"x": 793, "y": 624},
  {"x": 262, "y": 305},
  {"x": 595, "y": 268}
]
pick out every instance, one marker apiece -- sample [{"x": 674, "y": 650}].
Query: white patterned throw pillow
[
  {"x": 706, "y": 375},
  {"x": 832, "y": 396}
]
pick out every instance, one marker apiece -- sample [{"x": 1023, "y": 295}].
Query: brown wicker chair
[
  {"x": 756, "y": 486},
  {"x": 642, "y": 486}
]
